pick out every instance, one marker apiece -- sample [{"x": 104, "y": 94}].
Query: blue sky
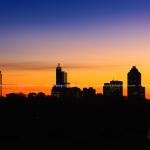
[{"x": 63, "y": 12}]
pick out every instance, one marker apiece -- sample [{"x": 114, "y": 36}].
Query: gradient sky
[{"x": 94, "y": 40}]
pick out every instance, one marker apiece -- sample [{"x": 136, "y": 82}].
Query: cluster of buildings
[
  {"x": 134, "y": 87},
  {"x": 62, "y": 86},
  {"x": 113, "y": 88}
]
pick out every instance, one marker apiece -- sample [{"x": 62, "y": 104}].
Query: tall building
[
  {"x": 114, "y": 88},
  {"x": 61, "y": 77},
  {"x": 58, "y": 75},
  {"x": 135, "y": 88},
  {"x": 64, "y": 77},
  {"x": 0, "y": 83}
]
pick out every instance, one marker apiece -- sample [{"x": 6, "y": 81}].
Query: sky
[{"x": 94, "y": 40}]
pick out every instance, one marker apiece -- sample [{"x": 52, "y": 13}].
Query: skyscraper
[
  {"x": 0, "y": 83},
  {"x": 58, "y": 75},
  {"x": 60, "y": 89},
  {"x": 61, "y": 77},
  {"x": 135, "y": 88}
]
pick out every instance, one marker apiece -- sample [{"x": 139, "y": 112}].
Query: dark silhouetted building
[
  {"x": 88, "y": 92},
  {"x": 61, "y": 77},
  {"x": 114, "y": 88},
  {"x": 0, "y": 83},
  {"x": 74, "y": 92},
  {"x": 106, "y": 89},
  {"x": 60, "y": 89},
  {"x": 56, "y": 91},
  {"x": 135, "y": 88}
]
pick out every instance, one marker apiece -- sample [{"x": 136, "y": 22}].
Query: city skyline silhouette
[
  {"x": 101, "y": 39},
  {"x": 75, "y": 72},
  {"x": 115, "y": 87}
]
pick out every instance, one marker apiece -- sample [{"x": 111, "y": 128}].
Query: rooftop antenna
[{"x": 58, "y": 65}]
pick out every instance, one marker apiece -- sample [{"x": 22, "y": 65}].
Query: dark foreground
[{"x": 96, "y": 121}]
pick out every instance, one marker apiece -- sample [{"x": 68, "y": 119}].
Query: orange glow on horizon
[{"x": 42, "y": 81}]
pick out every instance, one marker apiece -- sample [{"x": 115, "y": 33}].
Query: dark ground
[{"x": 91, "y": 121}]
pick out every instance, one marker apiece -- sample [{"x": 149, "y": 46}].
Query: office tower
[
  {"x": 106, "y": 89},
  {"x": 58, "y": 75},
  {"x": 135, "y": 88},
  {"x": 61, "y": 77},
  {"x": 114, "y": 88},
  {"x": 0, "y": 83}
]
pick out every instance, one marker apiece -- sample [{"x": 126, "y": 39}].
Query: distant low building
[
  {"x": 66, "y": 92},
  {"x": 114, "y": 88},
  {"x": 88, "y": 92}
]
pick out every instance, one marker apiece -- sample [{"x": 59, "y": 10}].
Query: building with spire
[
  {"x": 61, "y": 77},
  {"x": 60, "y": 88}
]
